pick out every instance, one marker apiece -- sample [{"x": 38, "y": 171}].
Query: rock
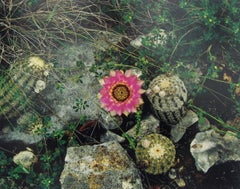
[
  {"x": 73, "y": 89},
  {"x": 70, "y": 92},
  {"x": 180, "y": 182},
  {"x": 111, "y": 136},
  {"x": 148, "y": 125},
  {"x": 209, "y": 148},
  {"x": 103, "y": 166},
  {"x": 172, "y": 173},
  {"x": 25, "y": 158},
  {"x": 157, "y": 37},
  {"x": 204, "y": 124},
  {"x": 105, "y": 39},
  {"x": 16, "y": 135},
  {"x": 178, "y": 130}
]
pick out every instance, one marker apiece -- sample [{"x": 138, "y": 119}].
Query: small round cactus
[
  {"x": 156, "y": 153},
  {"x": 30, "y": 122},
  {"x": 167, "y": 94}
]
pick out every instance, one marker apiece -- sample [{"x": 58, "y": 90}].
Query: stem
[{"x": 221, "y": 122}]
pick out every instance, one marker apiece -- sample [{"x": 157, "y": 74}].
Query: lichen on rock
[{"x": 100, "y": 166}]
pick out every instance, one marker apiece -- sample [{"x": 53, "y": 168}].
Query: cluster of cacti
[
  {"x": 20, "y": 84},
  {"x": 168, "y": 94}
]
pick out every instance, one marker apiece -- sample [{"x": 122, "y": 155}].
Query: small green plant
[
  {"x": 45, "y": 173},
  {"x": 132, "y": 140},
  {"x": 80, "y": 105},
  {"x": 138, "y": 122},
  {"x": 218, "y": 19},
  {"x": 222, "y": 123},
  {"x": 60, "y": 87}
]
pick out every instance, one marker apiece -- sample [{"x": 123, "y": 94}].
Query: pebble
[
  {"x": 172, "y": 174},
  {"x": 180, "y": 182}
]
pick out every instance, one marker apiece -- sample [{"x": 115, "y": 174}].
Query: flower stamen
[{"x": 120, "y": 92}]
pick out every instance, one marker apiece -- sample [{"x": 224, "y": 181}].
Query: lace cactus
[
  {"x": 156, "y": 153},
  {"x": 20, "y": 84},
  {"x": 167, "y": 94}
]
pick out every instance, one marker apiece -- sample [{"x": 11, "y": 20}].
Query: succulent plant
[
  {"x": 30, "y": 122},
  {"x": 167, "y": 94},
  {"x": 156, "y": 153},
  {"x": 20, "y": 84}
]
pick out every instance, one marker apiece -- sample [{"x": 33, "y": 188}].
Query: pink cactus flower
[{"x": 121, "y": 92}]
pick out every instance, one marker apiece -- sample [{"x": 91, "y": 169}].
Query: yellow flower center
[
  {"x": 157, "y": 151},
  {"x": 120, "y": 92},
  {"x": 165, "y": 84}
]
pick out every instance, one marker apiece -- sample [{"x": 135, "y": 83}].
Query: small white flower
[
  {"x": 156, "y": 89},
  {"x": 162, "y": 93},
  {"x": 39, "y": 86},
  {"x": 148, "y": 91},
  {"x": 36, "y": 63},
  {"x": 145, "y": 143}
]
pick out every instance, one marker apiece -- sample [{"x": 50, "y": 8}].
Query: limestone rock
[
  {"x": 73, "y": 88},
  {"x": 209, "y": 148},
  {"x": 25, "y": 158},
  {"x": 148, "y": 125},
  {"x": 111, "y": 136},
  {"x": 157, "y": 37},
  {"x": 106, "y": 39},
  {"x": 15, "y": 135},
  {"x": 204, "y": 124},
  {"x": 103, "y": 166},
  {"x": 178, "y": 130}
]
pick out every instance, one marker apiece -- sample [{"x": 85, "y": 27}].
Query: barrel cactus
[
  {"x": 156, "y": 153},
  {"x": 167, "y": 94},
  {"x": 20, "y": 84}
]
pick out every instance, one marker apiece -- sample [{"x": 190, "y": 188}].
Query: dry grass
[{"x": 27, "y": 25}]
